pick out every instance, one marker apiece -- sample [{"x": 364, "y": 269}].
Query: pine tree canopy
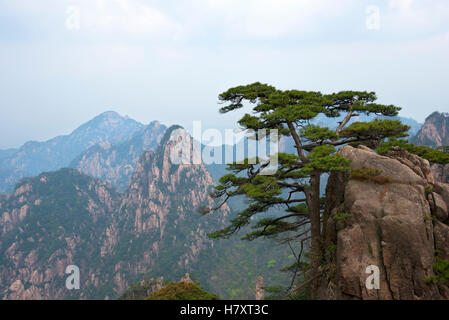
[{"x": 291, "y": 112}]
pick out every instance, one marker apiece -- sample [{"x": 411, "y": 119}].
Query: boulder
[{"x": 393, "y": 225}]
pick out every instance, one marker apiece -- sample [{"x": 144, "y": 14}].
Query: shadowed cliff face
[
  {"x": 435, "y": 133},
  {"x": 63, "y": 218},
  {"x": 397, "y": 221}
]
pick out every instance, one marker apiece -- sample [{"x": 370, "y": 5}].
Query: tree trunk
[
  {"x": 315, "y": 221},
  {"x": 313, "y": 203}
]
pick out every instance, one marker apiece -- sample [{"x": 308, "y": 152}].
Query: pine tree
[{"x": 295, "y": 186}]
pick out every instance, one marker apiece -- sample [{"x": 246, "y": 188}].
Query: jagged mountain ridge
[
  {"x": 435, "y": 133},
  {"x": 65, "y": 217},
  {"x": 252, "y": 257},
  {"x": 106, "y": 147},
  {"x": 115, "y": 163},
  {"x": 121, "y": 237},
  {"x": 35, "y": 157},
  {"x": 152, "y": 229},
  {"x": 150, "y": 218}
]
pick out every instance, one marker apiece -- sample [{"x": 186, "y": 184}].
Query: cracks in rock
[
  {"x": 381, "y": 258},
  {"x": 433, "y": 209},
  {"x": 384, "y": 193}
]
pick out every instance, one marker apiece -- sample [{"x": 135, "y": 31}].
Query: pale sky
[{"x": 64, "y": 62}]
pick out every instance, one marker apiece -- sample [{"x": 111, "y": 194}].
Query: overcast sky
[{"x": 64, "y": 62}]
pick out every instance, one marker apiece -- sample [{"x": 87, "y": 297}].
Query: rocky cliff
[
  {"x": 435, "y": 133},
  {"x": 115, "y": 163},
  {"x": 391, "y": 214},
  {"x": 159, "y": 215},
  {"x": 50, "y": 222},
  {"x": 65, "y": 217}
]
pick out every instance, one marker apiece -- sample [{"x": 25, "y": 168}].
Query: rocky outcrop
[
  {"x": 186, "y": 278},
  {"x": 260, "y": 294},
  {"x": 440, "y": 172},
  {"x": 395, "y": 218},
  {"x": 434, "y": 132},
  {"x": 160, "y": 209},
  {"x": 143, "y": 289},
  {"x": 115, "y": 163}
]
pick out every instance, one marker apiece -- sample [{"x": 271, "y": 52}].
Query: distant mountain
[
  {"x": 115, "y": 163},
  {"x": 36, "y": 157},
  {"x": 434, "y": 132},
  {"x": 7, "y": 153}
]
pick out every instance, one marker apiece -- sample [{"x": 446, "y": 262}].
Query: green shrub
[
  {"x": 342, "y": 216},
  {"x": 182, "y": 291},
  {"x": 365, "y": 173},
  {"x": 441, "y": 269},
  {"x": 433, "y": 155}
]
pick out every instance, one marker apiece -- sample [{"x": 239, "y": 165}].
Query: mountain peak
[
  {"x": 115, "y": 163},
  {"x": 438, "y": 115},
  {"x": 110, "y": 113},
  {"x": 109, "y": 118},
  {"x": 434, "y": 132},
  {"x": 35, "y": 157}
]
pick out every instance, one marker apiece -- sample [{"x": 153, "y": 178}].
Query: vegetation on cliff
[
  {"x": 432, "y": 154},
  {"x": 182, "y": 291}
]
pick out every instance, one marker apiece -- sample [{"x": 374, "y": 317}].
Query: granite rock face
[
  {"x": 434, "y": 132},
  {"x": 115, "y": 163},
  {"x": 440, "y": 172},
  {"x": 50, "y": 222},
  {"x": 397, "y": 224},
  {"x": 160, "y": 210},
  {"x": 260, "y": 293}
]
